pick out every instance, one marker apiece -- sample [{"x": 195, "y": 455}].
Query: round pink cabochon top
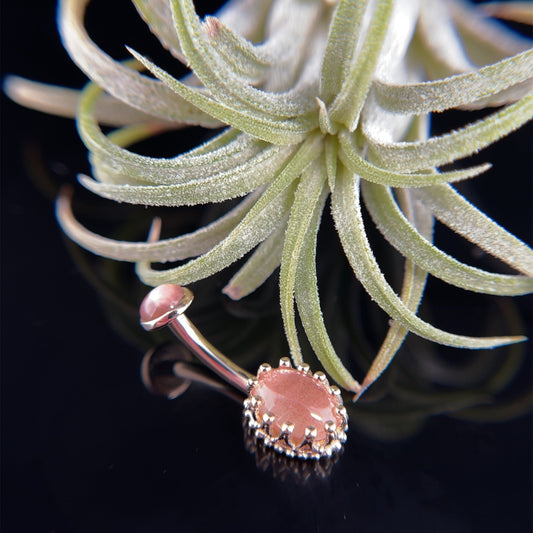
[{"x": 160, "y": 301}]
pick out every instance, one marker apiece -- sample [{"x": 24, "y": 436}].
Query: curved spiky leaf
[
  {"x": 344, "y": 32},
  {"x": 226, "y": 185},
  {"x": 439, "y": 35},
  {"x": 487, "y": 40},
  {"x": 63, "y": 102},
  {"x": 221, "y": 153},
  {"x": 124, "y": 83},
  {"x": 258, "y": 268},
  {"x": 349, "y": 155},
  {"x": 157, "y": 14},
  {"x": 348, "y": 103},
  {"x": 257, "y": 225},
  {"x": 189, "y": 245},
  {"x": 457, "y": 90},
  {"x": 214, "y": 160},
  {"x": 392, "y": 63},
  {"x": 306, "y": 201},
  {"x": 247, "y": 62},
  {"x": 219, "y": 76},
  {"x": 254, "y": 228},
  {"x": 256, "y": 123},
  {"x": 443, "y": 149},
  {"x": 413, "y": 285},
  {"x": 348, "y": 219},
  {"x": 460, "y": 215},
  {"x": 403, "y": 236},
  {"x": 308, "y": 302}
]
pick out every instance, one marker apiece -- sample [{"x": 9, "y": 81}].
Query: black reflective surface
[{"x": 86, "y": 448}]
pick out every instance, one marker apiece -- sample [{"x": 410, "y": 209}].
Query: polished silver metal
[
  {"x": 165, "y": 306},
  {"x": 188, "y": 334}
]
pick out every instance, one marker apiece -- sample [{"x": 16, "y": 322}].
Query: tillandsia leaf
[
  {"x": 254, "y": 228},
  {"x": 486, "y": 39},
  {"x": 457, "y": 90},
  {"x": 443, "y": 149},
  {"x": 124, "y": 83},
  {"x": 254, "y": 122},
  {"x": 347, "y": 105},
  {"x": 404, "y": 236},
  {"x": 257, "y": 168},
  {"x": 308, "y": 302},
  {"x": 223, "y": 152},
  {"x": 330, "y": 157},
  {"x": 215, "y": 158},
  {"x": 247, "y": 61},
  {"x": 393, "y": 63},
  {"x": 414, "y": 283},
  {"x": 189, "y": 245},
  {"x": 439, "y": 35},
  {"x": 226, "y": 185},
  {"x": 223, "y": 186},
  {"x": 259, "y": 267},
  {"x": 348, "y": 220},
  {"x": 157, "y": 14},
  {"x": 204, "y": 61},
  {"x": 344, "y": 33},
  {"x": 257, "y": 225},
  {"x": 452, "y": 209},
  {"x": 63, "y": 102},
  {"x": 515, "y": 11},
  {"x": 414, "y": 278},
  {"x": 235, "y": 159},
  {"x": 308, "y": 198},
  {"x": 348, "y": 154}
]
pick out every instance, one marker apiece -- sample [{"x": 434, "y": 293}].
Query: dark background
[{"x": 85, "y": 448}]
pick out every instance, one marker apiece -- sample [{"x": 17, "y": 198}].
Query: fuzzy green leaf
[
  {"x": 457, "y": 90},
  {"x": 306, "y": 201},
  {"x": 443, "y": 149},
  {"x": 124, "y": 83},
  {"x": 405, "y": 238},
  {"x": 347, "y": 105},
  {"x": 460, "y": 215},
  {"x": 189, "y": 245},
  {"x": 257, "y": 124},
  {"x": 349, "y": 156},
  {"x": 308, "y": 302},
  {"x": 258, "y": 267},
  {"x": 414, "y": 282},
  {"x": 257, "y": 225},
  {"x": 345, "y": 30},
  {"x": 348, "y": 219}
]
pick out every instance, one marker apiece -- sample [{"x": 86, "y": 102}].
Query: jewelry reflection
[
  {"x": 289, "y": 409},
  {"x": 168, "y": 370}
]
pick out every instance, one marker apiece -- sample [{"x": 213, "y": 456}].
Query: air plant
[{"x": 317, "y": 99}]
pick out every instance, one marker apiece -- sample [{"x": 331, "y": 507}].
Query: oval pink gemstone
[
  {"x": 160, "y": 301},
  {"x": 292, "y": 396}
]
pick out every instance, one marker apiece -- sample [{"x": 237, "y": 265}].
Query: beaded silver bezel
[{"x": 310, "y": 448}]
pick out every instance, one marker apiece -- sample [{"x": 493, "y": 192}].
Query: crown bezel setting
[{"x": 317, "y": 442}]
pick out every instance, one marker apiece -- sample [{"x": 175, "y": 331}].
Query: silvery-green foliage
[{"x": 321, "y": 99}]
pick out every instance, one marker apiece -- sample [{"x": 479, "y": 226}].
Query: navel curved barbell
[{"x": 292, "y": 410}]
